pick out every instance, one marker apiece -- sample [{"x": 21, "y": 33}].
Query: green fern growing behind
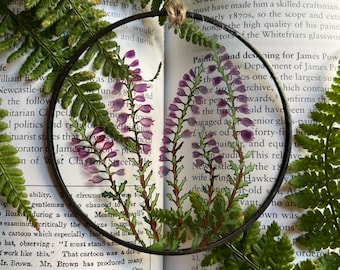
[
  {"x": 12, "y": 183},
  {"x": 317, "y": 178}
]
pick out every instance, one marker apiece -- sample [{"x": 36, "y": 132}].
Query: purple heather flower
[
  {"x": 192, "y": 121},
  {"x": 222, "y": 103},
  {"x": 166, "y": 140},
  {"x": 195, "y": 109},
  {"x": 92, "y": 169},
  {"x": 208, "y": 56},
  {"x": 146, "y": 148},
  {"x": 163, "y": 171},
  {"x": 237, "y": 81},
  {"x": 218, "y": 159},
  {"x": 130, "y": 54},
  {"x": 209, "y": 135},
  {"x": 140, "y": 88},
  {"x": 183, "y": 83},
  {"x": 139, "y": 98},
  {"x": 125, "y": 129},
  {"x": 178, "y": 100},
  {"x": 243, "y": 109},
  {"x": 96, "y": 130},
  {"x": 117, "y": 87},
  {"x": 246, "y": 122},
  {"x": 242, "y": 98},
  {"x": 181, "y": 92},
  {"x": 107, "y": 145},
  {"x": 122, "y": 118},
  {"x": 223, "y": 113},
  {"x": 168, "y": 131},
  {"x": 100, "y": 138},
  {"x": 241, "y": 88},
  {"x": 198, "y": 99},
  {"x": 174, "y": 108},
  {"x": 199, "y": 163},
  {"x": 247, "y": 135},
  {"x": 192, "y": 73},
  {"x": 147, "y": 134},
  {"x": 111, "y": 154},
  {"x": 211, "y": 142},
  {"x": 145, "y": 108},
  {"x": 117, "y": 104},
  {"x": 228, "y": 64},
  {"x": 173, "y": 115},
  {"x": 196, "y": 154},
  {"x": 217, "y": 81},
  {"x": 215, "y": 150},
  {"x": 90, "y": 161},
  {"x": 170, "y": 123},
  {"x": 146, "y": 122},
  {"x": 75, "y": 141},
  {"x": 220, "y": 92},
  {"x": 137, "y": 78},
  {"x": 224, "y": 57},
  {"x": 163, "y": 158},
  {"x": 221, "y": 50},
  {"x": 115, "y": 163},
  {"x": 186, "y": 77},
  {"x": 137, "y": 71},
  {"x": 79, "y": 147},
  {"x": 195, "y": 145},
  {"x": 134, "y": 63},
  {"x": 211, "y": 69},
  {"x": 234, "y": 72},
  {"x": 164, "y": 149},
  {"x": 120, "y": 172},
  {"x": 96, "y": 179},
  {"x": 203, "y": 89},
  {"x": 186, "y": 133}
]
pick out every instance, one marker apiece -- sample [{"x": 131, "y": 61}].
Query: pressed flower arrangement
[
  {"x": 196, "y": 217},
  {"x": 96, "y": 148}
]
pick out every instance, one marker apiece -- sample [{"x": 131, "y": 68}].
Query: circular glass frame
[{"x": 287, "y": 136}]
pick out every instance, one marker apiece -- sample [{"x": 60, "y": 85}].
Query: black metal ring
[{"x": 51, "y": 151}]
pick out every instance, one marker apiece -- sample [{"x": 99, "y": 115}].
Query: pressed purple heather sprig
[
  {"x": 134, "y": 107},
  {"x": 183, "y": 104},
  {"x": 181, "y": 117},
  {"x": 135, "y": 121},
  {"x": 233, "y": 99},
  {"x": 97, "y": 155},
  {"x": 207, "y": 153}
]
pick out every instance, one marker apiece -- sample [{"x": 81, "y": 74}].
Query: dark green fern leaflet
[
  {"x": 12, "y": 183},
  {"x": 317, "y": 178},
  {"x": 253, "y": 251},
  {"x": 48, "y": 33}
]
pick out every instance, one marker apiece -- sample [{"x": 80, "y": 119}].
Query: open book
[{"x": 299, "y": 39}]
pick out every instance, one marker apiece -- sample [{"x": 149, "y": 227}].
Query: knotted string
[{"x": 176, "y": 11}]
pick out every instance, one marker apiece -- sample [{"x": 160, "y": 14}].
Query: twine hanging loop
[{"x": 176, "y": 11}]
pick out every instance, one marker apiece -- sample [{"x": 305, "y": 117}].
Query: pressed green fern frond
[
  {"x": 48, "y": 33},
  {"x": 317, "y": 179},
  {"x": 12, "y": 183},
  {"x": 190, "y": 32}
]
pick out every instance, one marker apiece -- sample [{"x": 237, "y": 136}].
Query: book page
[
  {"x": 64, "y": 241},
  {"x": 301, "y": 41}
]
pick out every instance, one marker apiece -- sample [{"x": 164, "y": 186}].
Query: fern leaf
[
  {"x": 12, "y": 183},
  {"x": 318, "y": 174},
  {"x": 191, "y": 33},
  {"x": 31, "y": 3},
  {"x": 273, "y": 251},
  {"x": 329, "y": 262}
]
